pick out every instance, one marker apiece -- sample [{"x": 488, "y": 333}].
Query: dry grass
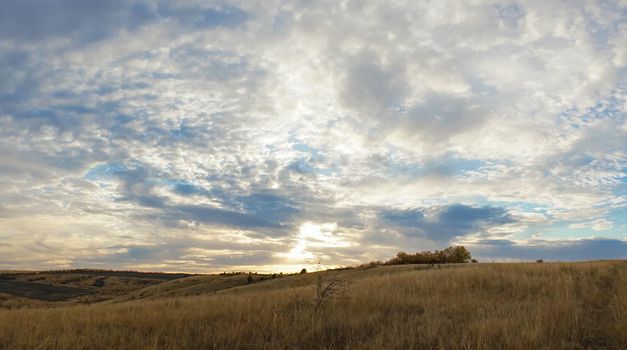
[
  {"x": 58, "y": 288},
  {"x": 491, "y": 306},
  {"x": 188, "y": 286}
]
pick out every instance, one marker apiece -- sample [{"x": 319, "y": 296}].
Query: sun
[
  {"x": 298, "y": 252},
  {"x": 313, "y": 235}
]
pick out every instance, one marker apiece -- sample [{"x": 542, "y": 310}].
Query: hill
[
  {"x": 41, "y": 288},
  {"x": 242, "y": 283},
  {"x": 189, "y": 286},
  {"x": 467, "y": 306}
]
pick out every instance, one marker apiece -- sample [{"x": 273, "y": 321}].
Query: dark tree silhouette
[{"x": 450, "y": 255}]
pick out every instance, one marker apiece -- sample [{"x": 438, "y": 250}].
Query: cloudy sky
[{"x": 207, "y": 136}]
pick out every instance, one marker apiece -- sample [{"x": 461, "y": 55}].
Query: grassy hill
[
  {"x": 243, "y": 283},
  {"x": 189, "y": 286},
  {"x": 471, "y": 306},
  {"x": 42, "y": 288}
]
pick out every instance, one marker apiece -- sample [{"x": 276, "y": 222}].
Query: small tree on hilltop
[
  {"x": 460, "y": 255},
  {"x": 457, "y": 254}
]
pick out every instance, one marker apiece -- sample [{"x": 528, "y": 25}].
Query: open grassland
[
  {"x": 196, "y": 285},
  {"x": 478, "y": 306},
  {"x": 40, "y": 291},
  {"x": 63, "y": 287}
]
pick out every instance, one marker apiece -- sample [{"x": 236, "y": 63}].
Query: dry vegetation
[
  {"x": 472, "y": 306},
  {"x": 64, "y": 287}
]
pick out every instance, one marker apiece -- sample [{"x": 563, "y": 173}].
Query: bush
[
  {"x": 370, "y": 265},
  {"x": 304, "y": 270},
  {"x": 453, "y": 255}
]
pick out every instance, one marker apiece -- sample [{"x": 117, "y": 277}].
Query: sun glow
[{"x": 314, "y": 235}]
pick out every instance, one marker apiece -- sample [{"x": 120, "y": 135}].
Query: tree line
[{"x": 450, "y": 255}]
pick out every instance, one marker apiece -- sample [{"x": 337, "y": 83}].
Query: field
[
  {"x": 466, "y": 306},
  {"x": 66, "y": 287}
]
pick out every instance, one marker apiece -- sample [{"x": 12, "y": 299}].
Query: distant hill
[
  {"x": 66, "y": 287},
  {"x": 28, "y": 288}
]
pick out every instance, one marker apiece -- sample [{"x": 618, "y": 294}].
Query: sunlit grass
[{"x": 479, "y": 306}]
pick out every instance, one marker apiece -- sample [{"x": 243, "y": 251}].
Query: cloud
[
  {"x": 139, "y": 184},
  {"x": 596, "y": 225},
  {"x": 408, "y": 126},
  {"x": 33, "y": 20},
  {"x": 226, "y": 217},
  {"x": 87, "y": 22},
  {"x": 445, "y": 223},
  {"x": 555, "y": 250}
]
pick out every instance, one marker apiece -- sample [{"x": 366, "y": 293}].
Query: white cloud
[
  {"x": 320, "y": 111},
  {"x": 596, "y": 225}
]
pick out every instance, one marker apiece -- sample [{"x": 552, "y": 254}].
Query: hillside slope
[
  {"x": 189, "y": 286},
  {"x": 478, "y": 306},
  {"x": 245, "y": 283},
  {"x": 48, "y": 288}
]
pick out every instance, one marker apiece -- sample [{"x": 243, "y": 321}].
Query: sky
[{"x": 207, "y": 136}]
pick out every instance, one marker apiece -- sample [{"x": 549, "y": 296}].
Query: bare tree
[{"x": 327, "y": 287}]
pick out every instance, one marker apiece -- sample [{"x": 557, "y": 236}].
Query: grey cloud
[
  {"x": 181, "y": 254},
  {"x": 553, "y": 250},
  {"x": 211, "y": 65},
  {"x": 372, "y": 88},
  {"x": 86, "y": 20},
  {"x": 222, "y": 121},
  {"x": 187, "y": 189},
  {"x": 136, "y": 186},
  {"x": 270, "y": 205},
  {"x": 219, "y": 216},
  {"x": 255, "y": 258},
  {"x": 442, "y": 116},
  {"x": 447, "y": 222},
  {"x": 17, "y": 75},
  {"x": 379, "y": 93},
  {"x": 253, "y": 211},
  {"x": 202, "y": 18}
]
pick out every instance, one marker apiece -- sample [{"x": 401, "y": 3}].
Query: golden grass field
[{"x": 470, "y": 306}]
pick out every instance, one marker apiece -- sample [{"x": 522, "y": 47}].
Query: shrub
[
  {"x": 371, "y": 265},
  {"x": 456, "y": 255}
]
